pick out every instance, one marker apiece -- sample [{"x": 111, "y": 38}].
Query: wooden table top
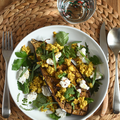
[{"x": 114, "y": 3}]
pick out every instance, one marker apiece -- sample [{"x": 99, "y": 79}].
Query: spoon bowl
[{"x": 113, "y": 40}]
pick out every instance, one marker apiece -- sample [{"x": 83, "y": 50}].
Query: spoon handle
[{"x": 116, "y": 94}]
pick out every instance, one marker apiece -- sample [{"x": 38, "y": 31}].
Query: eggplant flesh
[{"x": 52, "y": 84}]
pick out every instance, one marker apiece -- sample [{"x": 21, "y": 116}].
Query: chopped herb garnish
[
  {"x": 54, "y": 60},
  {"x": 18, "y": 97},
  {"x": 87, "y": 50},
  {"x": 35, "y": 67},
  {"x": 95, "y": 60},
  {"x": 62, "y": 75},
  {"x": 61, "y": 60},
  {"x": 94, "y": 77},
  {"x": 26, "y": 108},
  {"x": 87, "y": 60},
  {"x": 73, "y": 105},
  {"x": 24, "y": 100},
  {"x": 89, "y": 100}
]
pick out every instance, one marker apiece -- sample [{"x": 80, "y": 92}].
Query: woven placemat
[{"x": 23, "y": 16}]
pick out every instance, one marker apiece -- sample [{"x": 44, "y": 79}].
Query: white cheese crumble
[
  {"x": 32, "y": 96},
  {"x": 83, "y": 85},
  {"x": 60, "y": 113},
  {"x": 25, "y": 76},
  {"x": 79, "y": 90},
  {"x": 64, "y": 82},
  {"x": 49, "y": 61},
  {"x": 98, "y": 76},
  {"x": 45, "y": 91},
  {"x": 83, "y": 50},
  {"x": 57, "y": 56}
]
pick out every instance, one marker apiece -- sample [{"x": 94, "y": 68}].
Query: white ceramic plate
[{"x": 74, "y": 35}]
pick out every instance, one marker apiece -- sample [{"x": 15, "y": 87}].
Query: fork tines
[{"x": 7, "y": 44}]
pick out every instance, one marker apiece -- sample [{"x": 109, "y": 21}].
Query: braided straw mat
[{"x": 23, "y": 16}]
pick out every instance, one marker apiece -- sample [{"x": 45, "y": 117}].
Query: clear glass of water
[{"x": 76, "y": 11}]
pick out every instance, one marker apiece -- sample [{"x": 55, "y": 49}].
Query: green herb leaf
[
  {"x": 95, "y": 60},
  {"x": 72, "y": 53},
  {"x": 71, "y": 98},
  {"x": 21, "y": 54},
  {"x": 54, "y": 116},
  {"x": 94, "y": 77},
  {"x": 89, "y": 100},
  {"x": 73, "y": 105},
  {"x": 62, "y": 75},
  {"x": 54, "y": 60},
  {"x": 69, "y": 91},
  {"x": 35, "y": 67},
  {"x": 77, "y": 94},
  {"x": 95, "y": 87},
  {"x": 23, "y": 87},
  {"x": 41, "y": 101},
  {"x": 87, "y": 50},
  {"x": 61, "y": 60},
  {"x": 17, "y": 64},
  {"x": 62, "y": 38}
]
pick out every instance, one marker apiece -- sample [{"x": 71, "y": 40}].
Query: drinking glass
[{"x": 76, "y": 11}]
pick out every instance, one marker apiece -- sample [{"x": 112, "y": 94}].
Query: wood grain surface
[{"x": 114, "y": 3}]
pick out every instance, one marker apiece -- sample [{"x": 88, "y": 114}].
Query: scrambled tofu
[
  {"x": 86, "y": 69},
  {"x": 54, "y": 46},
  {"x": 36, "y": 84},
  {"x": 68, "y": 61},
  {"x": 81, "y": 102},
  {"x": 74, "y": 45},
  {"x": 26, "y": 49},
  {"x": 50, "y": 70}
]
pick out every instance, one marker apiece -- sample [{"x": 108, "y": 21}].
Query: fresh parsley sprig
[
  {"x": 42, "y": 101},
  {"x": 62, "y": 38},
  {"x": 18, "y": 62},
  {"x": 95, "y": 60}
]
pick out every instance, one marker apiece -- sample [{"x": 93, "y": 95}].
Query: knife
[{"x": 103, "y": 45}]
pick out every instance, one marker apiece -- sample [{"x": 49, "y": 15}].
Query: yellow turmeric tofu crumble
[{"x": 59, "y": 77}]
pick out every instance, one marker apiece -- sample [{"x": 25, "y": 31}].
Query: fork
[{"x": 7, "y": 48}]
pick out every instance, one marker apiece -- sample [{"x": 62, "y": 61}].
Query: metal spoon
[{"x": 113, "y": 40}]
